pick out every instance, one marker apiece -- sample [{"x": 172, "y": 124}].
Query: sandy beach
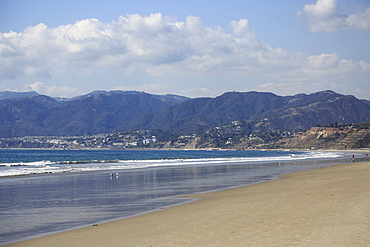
[{"x": 321, "y": 207}]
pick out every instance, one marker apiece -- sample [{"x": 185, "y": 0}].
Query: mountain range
[{"x": 33, "y": 114}]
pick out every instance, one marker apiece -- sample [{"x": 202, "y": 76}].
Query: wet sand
[{"x": 321, "y": 207}]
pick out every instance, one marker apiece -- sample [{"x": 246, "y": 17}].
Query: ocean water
[{"x": 45, "y": 191}]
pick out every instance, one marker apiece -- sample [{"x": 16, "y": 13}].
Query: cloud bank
[
  {"x": 55, "y": 91},
  {"x": 164, "y": 47},
  {"x": 325, "y": 16}
]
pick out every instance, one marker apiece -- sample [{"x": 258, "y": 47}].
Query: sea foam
[{"x": 41, "y": 167}]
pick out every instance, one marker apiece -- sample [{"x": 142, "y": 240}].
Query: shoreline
[
  {"x": 174, "y": 158},
  {"x": 360, "y": 150},
  {"x": 319, "y": 207}
]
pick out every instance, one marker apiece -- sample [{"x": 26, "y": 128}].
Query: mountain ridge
[
  {"x": 12, "y": 95},
  {"x": 282, "y": 112},
  {"x": 106, "y": 112}
]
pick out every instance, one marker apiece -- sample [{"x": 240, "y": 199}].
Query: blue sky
[{"x": 192, "y": 48}]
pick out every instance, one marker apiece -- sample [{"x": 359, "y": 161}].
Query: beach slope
[{"x": 321, "y": 207}]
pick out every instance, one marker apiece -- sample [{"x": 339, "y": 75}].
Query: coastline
[
  {"x": 354, "y": 151},
  {"x": 320, "y": 207}
]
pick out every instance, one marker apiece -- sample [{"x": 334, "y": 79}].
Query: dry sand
[{"x": 322, "y": 207}]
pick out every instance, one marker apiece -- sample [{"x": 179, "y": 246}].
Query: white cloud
[
  {"x": 163, "y": 47},
  {"x": 242, "y": 28},
  {"x": 131, "y": 42},
  {"x": 360, "y": 20},
  {"x": 54, "y": 91},
  {"x": 323, "y": 61},
  {"x": 325, "y": 16},
  {"x": 199, "y": 92},
  {"x": 332, "y": 65}
]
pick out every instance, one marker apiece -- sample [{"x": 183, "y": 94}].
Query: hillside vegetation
[{"x": 109, "y": 112}]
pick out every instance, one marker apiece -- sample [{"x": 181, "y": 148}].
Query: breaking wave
[{"x": 47, "y": 166}]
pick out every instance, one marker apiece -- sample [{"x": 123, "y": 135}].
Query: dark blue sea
[{"x": 46, "y": 191}]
